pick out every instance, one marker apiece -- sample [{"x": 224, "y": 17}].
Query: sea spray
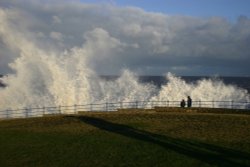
[
  {"x": 211, "y": 90},
  {"x": 52, "y": 78}
]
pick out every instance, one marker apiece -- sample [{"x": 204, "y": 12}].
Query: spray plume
[{"x": 47, "y": 78}]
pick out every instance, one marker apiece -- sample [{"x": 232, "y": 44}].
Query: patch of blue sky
[{"x": 229, "y": 9}]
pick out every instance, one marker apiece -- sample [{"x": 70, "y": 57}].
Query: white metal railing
[{"x": 114, "y": 106}]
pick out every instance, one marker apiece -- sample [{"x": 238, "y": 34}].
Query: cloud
[
  {"x": 117, "y": 38},
  {"x": 56, "y": 36},
  {"x": 56, "y": 20}
]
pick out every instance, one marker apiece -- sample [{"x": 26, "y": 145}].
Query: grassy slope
[{"x": 127, "y": 139}]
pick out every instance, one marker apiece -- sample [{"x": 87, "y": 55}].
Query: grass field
[{"x": 127, "y": 139}]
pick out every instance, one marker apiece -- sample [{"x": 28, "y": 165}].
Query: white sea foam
[{"x": 210, "y": 90}]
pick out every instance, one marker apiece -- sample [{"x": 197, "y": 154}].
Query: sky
[
  {"x": 184, "y": 37},
  {"x": 230, "y": 9}
]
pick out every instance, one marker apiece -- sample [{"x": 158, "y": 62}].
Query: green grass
[{"x": 127, "y": 139}]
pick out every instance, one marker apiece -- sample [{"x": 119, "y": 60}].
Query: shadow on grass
[{"x": 207, "y": 153}]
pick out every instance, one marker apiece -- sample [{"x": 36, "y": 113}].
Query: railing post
[
  {"x": 107, "y": 106},
  {"x": 168, "y": 103},
  {"x": 121, "y": 105},
  {"x": 26, "y": 113},
  {"x": 136, "y": 104},
  {"x": 200, "y": 103},
  {"x": 59, "y": 109},
  {"x": 7, "y": 113},
  {"x": 75, "y": 108},
  {"x": 43, "y": 111},
  {"x": 232, "y": 104},
  {"x": 91, "y": 107},
  {"x": 213, "y": 103}
]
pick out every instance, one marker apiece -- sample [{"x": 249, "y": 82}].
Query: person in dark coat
[
  {"x": 183, "y": 103},
  {"x": 189, "y": 101}
]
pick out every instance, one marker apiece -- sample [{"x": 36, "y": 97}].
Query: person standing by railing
[
  {"x": 189, "y": 101},
  {"x": 183, "y": 103}
]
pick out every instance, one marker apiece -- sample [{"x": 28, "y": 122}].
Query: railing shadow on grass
[{"x": 214, "y": 155}]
